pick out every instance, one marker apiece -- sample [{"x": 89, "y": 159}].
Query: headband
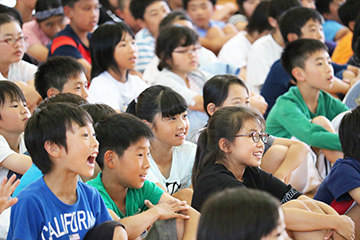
[{"x": 42, "y": 15}]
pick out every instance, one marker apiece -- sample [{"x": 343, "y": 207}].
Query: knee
[{"x": 324, "y": 122}]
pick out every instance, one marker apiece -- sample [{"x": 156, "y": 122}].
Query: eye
[{"x": 85, "y": 135}]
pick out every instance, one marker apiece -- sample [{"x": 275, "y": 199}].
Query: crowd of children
[{"x": 156, "y": 119}]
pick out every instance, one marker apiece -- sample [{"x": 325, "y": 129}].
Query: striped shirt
[{"x": 146, "y": 47}]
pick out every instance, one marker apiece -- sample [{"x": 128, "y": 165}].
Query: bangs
[
  {"x": 9, "y": 90},
  {"x": 188, "y": 39},
  {"x": 15, "y": 95},
  {"x": 171, "y": 104},
  {"x": 81, "y": 119}
]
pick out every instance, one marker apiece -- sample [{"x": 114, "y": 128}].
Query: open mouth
[
  {"x": 91, "y": 160},
  {"x": 330, "y": 78},
  {"x": 258, "y": 154},
  {"x": 180, "y": 135}
]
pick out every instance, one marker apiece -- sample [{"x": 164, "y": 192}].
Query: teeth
[{"x": 258, "y": 154}]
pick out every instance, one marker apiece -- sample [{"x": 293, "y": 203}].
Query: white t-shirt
[
  {"x": 263, "y": 53},
  {"x": 106, "y": 89},
  {"x": 20, "y": 72},
  {"x": 236, "y": 50},
  {"x": 6, "y": 151},
  {"x": 183, "y": 158}
]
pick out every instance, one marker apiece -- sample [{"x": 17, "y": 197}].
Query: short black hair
[
  {"x": 63, "y": 98},
  {"x": 278, "y": 7},
  {"x": 172, "y": 17},
  {"x": 138, "y": 7},
  {"x": 55, "y": 73},
  {"x": 323, "y": 6},
  {"x": 69, "y": 3},
  {"x": 185, "y": 3},
  {"x": 170, "y": 38},
  {"x": 349, "y": 11},
  {"x": 98, "y": 111},
  {"x": 349, "y": 133},
  {"x": 295, "y": 18},
  {"x": 117, "y": 132},
  {"x": 297, "y": 52},
  {"x": 51, "y": 124},
  {"x": 258, "y": 22},
  {"x": 9, "y": 90},
  {"x": 12, "y": 12}
]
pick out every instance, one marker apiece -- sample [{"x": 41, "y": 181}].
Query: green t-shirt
[
  {"x": 134, "y": 199},
  {"x": 290, "y": 116}
]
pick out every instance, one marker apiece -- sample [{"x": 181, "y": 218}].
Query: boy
[
  {"x": 61, "y": 141},
  {"x": 74, "y": 40},
  {"x": 147, "y": 13},
  {"x": 213, "y": 34},
  {"x": 61, "y": 74},
  {"x": 123, "y": 158},
  {"x": 305, "y": 111}
]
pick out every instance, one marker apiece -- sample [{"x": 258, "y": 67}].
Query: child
[
  {"x": 171, "y": 157},
  {"x": 61, "y": 74},
  {"x": 213, "y": 34},
  {"x": 13, "y": 116},
  {"x": 74, "y": 40},
  {"x": 340, "y": 189},
  {"x": 229, "y": 155},
  {"x": 114, "y": 53},
  {"x": 57, "y": 205},
  {"x": 49, "y": 20},
  {"x": 123, "y": 158},
  {"x": 148, "y": 13},
  {"x": 177, "y": 48},
  {"x": 242, "y": 214},
  {"x": 12, "y": 68},
  {"x": 288, "y": 160},
  {"x": 123, "y": 11},
  {"x": 245, "y": 11},
  {"x": 305, "y": 111}
]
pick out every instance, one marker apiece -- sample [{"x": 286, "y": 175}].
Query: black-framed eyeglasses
[
  {"x": 13, "y": 41},
  {"x": 256, "y": 136}
]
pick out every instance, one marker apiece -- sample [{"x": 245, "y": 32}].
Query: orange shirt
[{"x": 343, "y": 50}]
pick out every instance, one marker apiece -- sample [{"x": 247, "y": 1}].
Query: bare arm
[
  {"x": 199, "y": 104},
  {"x": 38, "y": 51},
  {"x": 18, "y": 163},
  {"x": 87, "y": 67}
]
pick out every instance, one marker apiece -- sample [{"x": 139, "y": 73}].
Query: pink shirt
[{"x": 35, "y": 34}]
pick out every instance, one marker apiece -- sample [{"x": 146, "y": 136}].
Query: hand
[
  {"x": 257, "y": 101},
  {"x": 7, "y": 187},
  {"x": 170, "y": 209},
  {"x": 346, "y": 227}
]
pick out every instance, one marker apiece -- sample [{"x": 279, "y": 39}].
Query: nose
[
  {"x": 146, "y": 162},
  {"x": 94, "y": 142},
  {"x": 84, "y": 93},
  {"x": 182, "y": 123}
]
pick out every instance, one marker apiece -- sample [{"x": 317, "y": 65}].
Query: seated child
[
  {"x": 124, "y": 160},
  {"x": 13, "y": 116},
  {"x": 58, "y": 205},
  {"x": 49, "y": 20},
  {"x": 74, "y": 40},
  {"x": 340, "y": 189},
  {"x": 232, "y": 214},
  {"x": 171, "y": 156},
  {"x": 177, "y": 48},
  {"x": 149, "y": 14},
  {"x": 213, "y": 34},
  {"x": 113, "y": 54},
  {"x": 61, "y": 74},
  {"x": 12, "y": 48},
  {"x": 236, "y": 136},
  {"x": 305, "y": 111}
]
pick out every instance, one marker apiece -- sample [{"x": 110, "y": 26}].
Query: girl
[
  {"x": 288, "y": 160},
  {"x": 245, "y": 12},
  {"x": 113, "y": 54},
  {"x": 171, "y": 157},
  {"x": 49, "y": 20},
  {"x": 177, "y": 48},
  {"x": 242, "y": 214},
  {"x": 229, "y": 155}
]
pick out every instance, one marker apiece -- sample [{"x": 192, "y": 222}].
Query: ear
[
  {"x": 292, "y": 37},
  {"x": 224, "y": 145},
  {"x": 299, "y": 74},
  {"x": 67, "y": 11},
  {"x": 51, "y": 92},
  {"x": 273, "y": 22},
  {"x": 52, "y": 149},
  {"x": 110, "y": 158},
  {"x": 119, "y": 13},
  {"x": 352, "y": 25},
  {"x": 211, "y": 108}
]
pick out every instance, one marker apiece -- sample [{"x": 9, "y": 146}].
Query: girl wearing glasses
[
  {"x": 229, "y": 155},
  {"x": 177, "y": 48}
]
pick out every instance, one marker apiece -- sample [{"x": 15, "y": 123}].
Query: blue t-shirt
[
  {"x": 343, "y": 177},
  {"x": 39, "y": 214},
  {"x": 212, "y": 23},
  {"x": 331, "y": 27}
]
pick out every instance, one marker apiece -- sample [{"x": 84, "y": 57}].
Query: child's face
[
  {"x": 133, "y": 166},
  {"x": 11, "y": 52},
  {"x": 125, "y": 53},
  {"x": 243, "y": 150},
  {"x": 318, "y": 71},
  {"x": 171, "y": 131},
  {"x": 84, "y": 15},
  {"x": 249, "y": 6},
  {"x": 333, "y": 7},
  {"x": 200, "y": 11},
  {"x": 14, "y": 115},
  {"x": 82, "y": 149},
  {"x": 279, "y": 233},
  {"x": 184, "y": 59},
  {"x": 308, "y": 3},
  {"x": 52, "y": 25},
  {"x": 153, "y": 15},
  {"x": 313, "y": 30},
  {"x": 237, "y": 96},
  {"x": 77, "y": 86}
]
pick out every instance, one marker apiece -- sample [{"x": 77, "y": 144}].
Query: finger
[
  {"x": 148, "y": 204},
  {"x": 328, "y": 235},
  {"x": 182, "y": 216}
]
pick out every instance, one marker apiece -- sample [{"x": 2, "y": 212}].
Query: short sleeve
[{"x": 5, "y": 149}]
